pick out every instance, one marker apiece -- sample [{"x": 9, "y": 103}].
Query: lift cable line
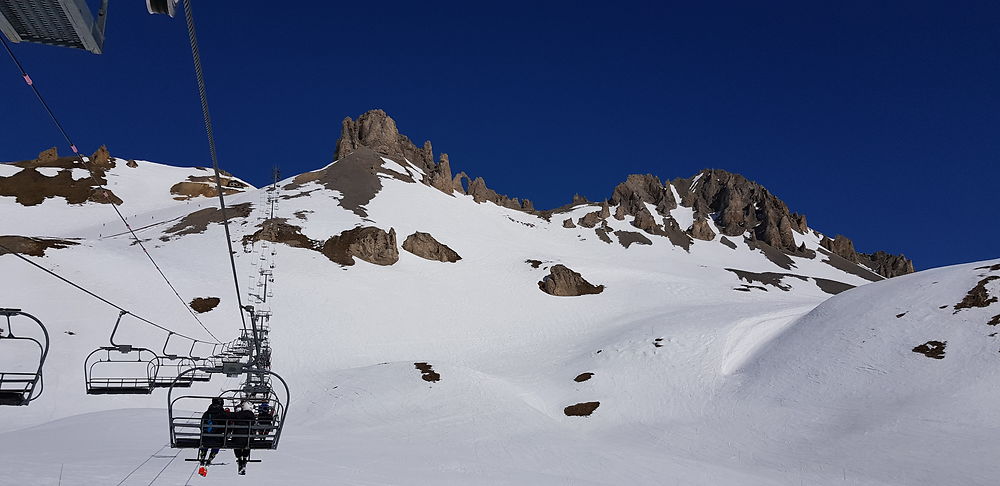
[
  {"x": 102, "y": 299},
  {"x": 104, "y": 191},
  {"x": 203, "y": 94}
]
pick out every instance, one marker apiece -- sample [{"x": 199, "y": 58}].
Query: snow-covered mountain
[{"x": 432, "y": 331}]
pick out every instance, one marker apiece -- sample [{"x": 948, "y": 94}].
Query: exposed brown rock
[
  {"x": 198, "y": 221},
  {"x": 841, "y": 245},
  {"x": 578, "y": 199},
  {"x": 582, "y": 377},
  {"x": 204, "y": 304},
  {"x": 368, "y": 243},
  {"x": 590, "y": 220},
  {"x": 701, "y": 230},
  {"x": 563, "y": 282},
  {"x": 568, "y": 223},
  {"x": 533, "y": 263},
  {"x": 727, "y": 242},
  {"x": 189, "y": 190},
  {"x": 602, "y": 233},
  {"x": 277, "y": 230},
  {"x": 427, "y": 372},
  {"x": 766, "y": 278},
  {"x": 31, "y": 246},
  {"x": 887, "y": 265},
  {"x": 102, "y": 159},
  {"x": 644, "y": 220},
  {"x": 832, "y": 287},
  {"x": 425, "y": 246},
  {"x": 581, "y": 409},
  {"x": 932, "y": 349},
  {"x": 29, "y": 187},
  {"x": 978, "y": 296},
  {"x": 131, "y": 163},
  {"x": 440, "y": 177},
  {"x": 640, "y": 189}
]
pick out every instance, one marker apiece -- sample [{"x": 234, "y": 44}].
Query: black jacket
[
  {"x": 239, "y": 428},
  {"x": 213, "y": 426}
]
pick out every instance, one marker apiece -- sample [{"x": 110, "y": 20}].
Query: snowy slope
[{"x": 698, "y": 383}]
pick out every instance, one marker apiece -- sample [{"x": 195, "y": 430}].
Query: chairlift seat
[
  {"x": 66, "y": 23},
  {"x": 13, "y": 398}
]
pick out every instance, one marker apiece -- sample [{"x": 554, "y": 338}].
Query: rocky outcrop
[
  {"x": 887, "y": 265},
  {"x": 640, "y": 189},
  {"x": 377, "y": 131},
  {"x": 425, "y": 246},
  {"x": 277, "y": 230},
  {"x": 368, "y": 243},
  {"x": 202, "y": 305},
  {"x": 563, "y": 282},
  {"x": 842, "y": 246},
  {"x": 568, "y": 223},
  {"x": 701, "y": 230},
  {"x": 644, "y": 221},
  {"x": 741, "y": 205}
]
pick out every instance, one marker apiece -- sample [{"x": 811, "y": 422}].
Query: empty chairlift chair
[
  {"x": 264, "y": 432},
  {"x": 167, "y": 371},
  {"x": 120, "y": 369},
  {"x": 20, "y": 380}
]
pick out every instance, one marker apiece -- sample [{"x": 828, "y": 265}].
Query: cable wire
[
  {"x": 203, "y": 94},
  {"x": 103, "y": 190},
  {"x": 98, "y": 297}
]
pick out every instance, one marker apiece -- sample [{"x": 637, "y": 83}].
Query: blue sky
[{"x": 878, "y": 120}]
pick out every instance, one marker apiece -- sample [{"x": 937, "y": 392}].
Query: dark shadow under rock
[
  {"x": 563, "y": 282},
  {"x": 534, "y": 263},
  {"x": 425, "y": 246},
  {"x": 627, "y": 238},
  {"x": 354, "y": 176},
  {"x": 838, "y": 262},
  {"x": 831, "y": 286},
  {"x": 773, "y": 254},
  {"x": 766, "y": 278},
  {"x": 581, "y": 409}
]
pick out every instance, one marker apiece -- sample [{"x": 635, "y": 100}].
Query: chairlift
[
  {"x": 186, "y": 432},
  {"x": 120, "y": 369},
  {"x": 165, "y": 371},
  {"x": 67, "y": 23},
  {"x": 18, "y": 388}
]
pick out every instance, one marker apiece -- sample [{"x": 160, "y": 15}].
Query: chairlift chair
[
  {"x": 119, "y": 369},
  {"x": 19, "y": 388},
  {"x": 165, "y": 371},
  {"x": 67, "y": 23},
  {"x": 186, "y": 432}
]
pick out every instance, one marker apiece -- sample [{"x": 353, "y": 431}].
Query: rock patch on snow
[
  {"x": 204, "y": 304},
  {"x": 198, "y": 221},
  {"x": 368, "y": 243},
  {"x": 978, "y": 296},
  {"x": 425, "y": 246},
  {"x": 583, "y": 409},
  {"x": 627, "y": 238},
  {"x": 427, "y": 372},
  {"x": 932, "y": 349},
  {"x": 31, "y": 246},
  {"x": 582, "y": 377},
  {"x": 563, "y": 282}
]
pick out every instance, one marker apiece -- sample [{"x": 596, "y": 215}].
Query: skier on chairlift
[
  {"x": 241, "y": 426},
  {"x": 213, "y": 433}
]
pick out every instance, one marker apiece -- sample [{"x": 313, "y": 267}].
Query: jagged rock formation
[
  {"x": 887, "y": 265},
  {"x": 701, "y": 230},
  {"x": 640, "y": 189},
  {"x": 841, "y": 245},
  {"x": 741, "y": 205},
  {"x": 368, "y": 243},
  {"x": 563, "y": 282},
  {"x": 425, "y": 246},
  {"x": 377, "y": 131},
  {"x": 568, "y": 223},
  {"x": 277, "y": 230}
]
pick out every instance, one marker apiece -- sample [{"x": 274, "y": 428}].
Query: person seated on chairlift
[
  {"x": 265, "y": 419},
  {"x": 213, "y": 431},
  {"x": 240, "y": 433}
]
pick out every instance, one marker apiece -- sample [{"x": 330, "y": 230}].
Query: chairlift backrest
[
  {"x": 120, "y": 370},
  {"x": 25, "y": 385}
]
